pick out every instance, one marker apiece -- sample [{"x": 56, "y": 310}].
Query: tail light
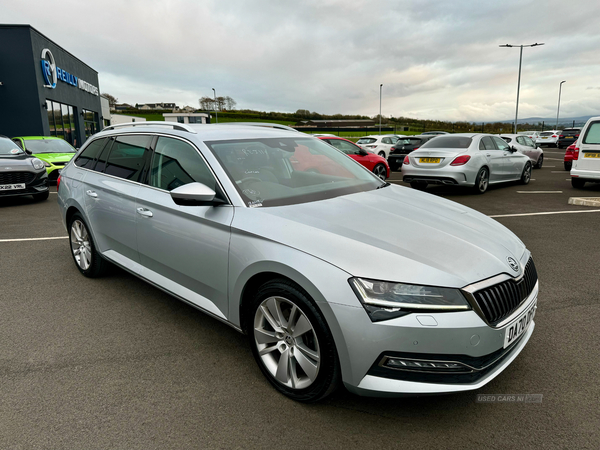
[
  {"x": 460, "y": 160},
  {"x": 57, "y": 183},
  {"x": 416, "y": 148},
  {"x": 561, "y": 136},
  {"x": 554, "y": 135},
  {"x": 406, "y": 160},
  {"x": 575, "y": 153}
]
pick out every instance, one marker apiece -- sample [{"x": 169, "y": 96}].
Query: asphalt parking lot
[{"x": 115, "y": 363}]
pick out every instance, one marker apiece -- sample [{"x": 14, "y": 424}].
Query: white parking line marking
[
  {"x": 547, "y": 213},
  {"x": 554, "y": 159},
  {"x": 539, "y": 192},
  {"x": 34, "y": 239}
]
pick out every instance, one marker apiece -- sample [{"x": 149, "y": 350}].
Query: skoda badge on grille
[{"x": 514, "y": 265}]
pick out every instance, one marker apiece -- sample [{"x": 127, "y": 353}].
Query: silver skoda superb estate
[{"x": 335, "y": 276}]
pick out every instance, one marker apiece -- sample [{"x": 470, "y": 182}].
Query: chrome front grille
[{"x": 501, "y": 300}]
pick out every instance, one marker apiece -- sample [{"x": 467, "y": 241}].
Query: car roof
[
  {"x": 37, "y": 138},
  {"x": 203, "y": 132}
]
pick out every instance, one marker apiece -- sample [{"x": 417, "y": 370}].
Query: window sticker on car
[{"x": 255, "y": 204}]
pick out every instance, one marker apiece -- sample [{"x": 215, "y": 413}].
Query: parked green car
[{"x": 55, "y": 152}]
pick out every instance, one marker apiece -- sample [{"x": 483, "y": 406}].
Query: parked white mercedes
[{"x": 474, "y": 160}]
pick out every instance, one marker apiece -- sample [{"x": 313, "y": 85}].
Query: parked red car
[
  {"x": 371, "y": 161},
  {"x": 571, "y": 154}
]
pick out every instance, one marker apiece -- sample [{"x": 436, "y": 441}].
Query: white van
[{"x": 586, "y": 158}]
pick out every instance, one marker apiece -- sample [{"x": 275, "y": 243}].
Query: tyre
[
  {"x": 577, "y": 183},
  {"x": 380, "y": 170},
  {"x": 568, "y": 165},
  {"x": 540, "y": 162},
  {"x": 482, "y": 181},
  {"x": 291, "y": 342},
  {"x": 86, "y": 257},
  {"x": 382, "y": 154},
  {"x": 526, "y": 174},
  {"x": 41, "y": 197},
  {"x": 418, "y": 185}
]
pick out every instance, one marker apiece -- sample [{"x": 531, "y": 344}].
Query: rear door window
[
  {"x": 87, "y": 158},
  {"x": 128, "y": 156}
]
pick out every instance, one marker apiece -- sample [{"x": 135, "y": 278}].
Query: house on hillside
[{"x": 337, "y": 123}]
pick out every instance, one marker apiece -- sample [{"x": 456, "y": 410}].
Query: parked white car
[
  {"x": 474, "y": 160},
  {"x": 586, "y": 157},
  {"x": 379, "y": 145},
  {"x": 530, "y": 134},
  {"x": 549, "y": 137},
  {"x": 526, "y": 146}
]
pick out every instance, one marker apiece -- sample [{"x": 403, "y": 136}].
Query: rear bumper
[
  {"x": 458, "y": 177},
  {"x": 589, "y": 175}
]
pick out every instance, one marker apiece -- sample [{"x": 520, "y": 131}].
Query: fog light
[{"x": 424, "y": 366}]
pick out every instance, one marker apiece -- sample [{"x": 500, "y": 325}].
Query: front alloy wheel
[
  {"x": 380, "y": 171},
  {"x": 291, "y": 342}
]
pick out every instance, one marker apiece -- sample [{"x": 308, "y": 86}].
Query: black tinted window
[
  {"x": 487, "y": 144},
  {"x": 127, "y": 157},
  {"x": 87, "y": 158},
  {"x": 448, "y": 142},
  {"x": 176, "y": 163}
]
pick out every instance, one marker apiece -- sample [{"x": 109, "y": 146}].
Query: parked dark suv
[
  {"x": 20, "y": 173},
  {"x": 404, "y": 146},
  {"x": 567, "y": 137}
]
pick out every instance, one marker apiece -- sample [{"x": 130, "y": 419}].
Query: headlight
[
  {"x": 384, "y": 300},
  {"x": 37, "y": 164}
]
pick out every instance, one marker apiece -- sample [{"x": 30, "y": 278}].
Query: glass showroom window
[
  {"x": 90, "y": 120},
  {"x": 61, "y": 121}
]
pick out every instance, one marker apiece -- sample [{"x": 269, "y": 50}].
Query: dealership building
[{"x": 44, "y": 89}]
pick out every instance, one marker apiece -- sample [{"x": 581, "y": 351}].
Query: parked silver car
[
  {"x": 474, "y": 160},
  {"x": 525, "y": 145},
  {"x": 226, "y": 219}
]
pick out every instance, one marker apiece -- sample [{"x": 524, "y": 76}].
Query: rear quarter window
[
  {"x": 592, "y": 134},
  {"x": 87, "y": 158}
]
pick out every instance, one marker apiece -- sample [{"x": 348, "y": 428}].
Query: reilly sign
[{"x": 52, "y": 74}]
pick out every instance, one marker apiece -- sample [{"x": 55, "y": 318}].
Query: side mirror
[
  {"x": 363, "y": 152},
  {"x": 512, "y": 149},
  {"x": 194, "y": 194}
]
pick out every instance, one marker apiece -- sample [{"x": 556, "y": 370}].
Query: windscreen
[
  {"x": 362, "y": 141},
  {"x": 48, "y": 146},
  {"x": 286, "y": 171},
  {"x": 8, "y": 147},
  {"x": 448, "y": 142}
]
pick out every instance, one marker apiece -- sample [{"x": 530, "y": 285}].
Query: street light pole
[
  {"x": 519, "y": 81},
  {"x": 558, "y": 109},
  {"x": 380, "y": 86},
  {"x": 216, "y": 112}
]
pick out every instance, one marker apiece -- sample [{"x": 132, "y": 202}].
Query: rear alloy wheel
[
  {"x": 86, "y": 257},
  {"x": 418, "y": 185},
  {"x": 526, "y": 174},
  {"x": 382, "y": 154},
  {"x": 540, "y": 161},
  {"x": 577, "y": 183},
  {"x": 292, "y": 343},
  {"x": 380, "y": 170},
  {"x": 568, "y": 166},
  {"x": 482, "y": 181}
]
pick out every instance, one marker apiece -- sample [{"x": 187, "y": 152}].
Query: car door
[
  {"x": 589, "y": 146},
  {"x": 494, "y": 157},
  {"x": 513, "y": 161},
  {"x": 110, "y": 194},
  {"x": 183, "y": 248}
]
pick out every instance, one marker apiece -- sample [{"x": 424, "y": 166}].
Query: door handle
[
  {"x": 144, "y": 212},
  {"x": 488, "y": 155},
  {"x": 91, "y": 194}
]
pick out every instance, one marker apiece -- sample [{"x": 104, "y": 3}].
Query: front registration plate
[
  {"x": 519, "y": 326},
  {"x": 429, "y": 160},
  {"x": 591, "y": 155},
  {"x": 10, "y": 187}
]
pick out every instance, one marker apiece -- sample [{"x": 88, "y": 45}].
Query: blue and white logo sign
[
  {"x": 52, "y": 74},
  {"x": 48, "y": 69}
]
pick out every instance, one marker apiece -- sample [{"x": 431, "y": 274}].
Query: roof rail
[
  {"x": 262, "y": 124},
  {"x": 174, "y": 125}
]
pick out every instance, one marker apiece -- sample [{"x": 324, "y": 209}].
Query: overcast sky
[{"x": 436, "y": 59}]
